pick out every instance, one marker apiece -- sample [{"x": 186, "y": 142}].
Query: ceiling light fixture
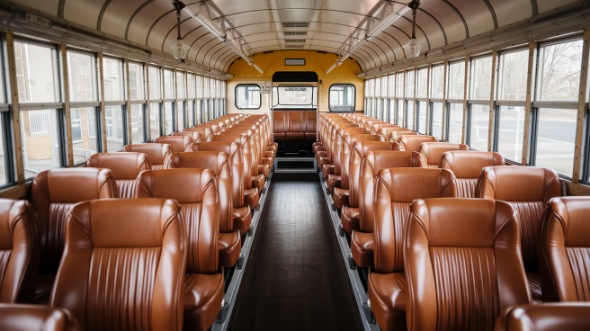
[
  {"x": 179, "y": 49},
  {"x": 413, "y": 47}
]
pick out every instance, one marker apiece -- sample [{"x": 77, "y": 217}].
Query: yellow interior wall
[{"x": 272, "y": 62}]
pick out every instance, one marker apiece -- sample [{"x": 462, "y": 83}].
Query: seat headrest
[
  {"x": 72, "y": 185},
  {"x": 216, "y": 146},
  {"x": 362, "y": 147},
  {"x": 519, "y": 183},
  {"x": 468, "y": 164},
  {"x": 155, "y": 152},
  {"x": 572, "y": 215},
  {"x": 456, "y": 222},
  {"x": 352, "y": 138},
  {"x": 11, "y": 211},
  {"x": 433, "y": 151},
  {"x": 215, "y": 161},
  {"x": 193, "y": 135},
  {"x": 124, "y": 165},
  {"x": 183, "y": 184},
  {"x": 381, "y": 159},
  {"x": 412, "y": 142},
  {"x": 177, "y": 143},
  {"x": 124, "y": 222},
  {"x": 407, "y": 184}
]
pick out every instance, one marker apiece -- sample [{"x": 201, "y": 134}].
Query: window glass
[
  {"x": 513, "y": 75},
  {"x": 113, "y": 79},
  {"x": 410, "y": 84},
  {"x": 3, "y": 177},
  {"x": 437, "y": 81},
  {"x": 248, "y": 96},
  {"x": 456, "y": 79},
  {"x": 556, "y": 139},
  {"x": 136, "y": 81},
  {"x": 169, "y": 84},
  {"x": 384, "y": 87},
  {"x": 191, "y": 86},
  {"x": 376, "y": 87},
  {"x": 510, "y": 132},
  {"x": 168, "y": 118},
  {"x": 191, "y": 113},
  {"x": 76, "y": 125},
  {"x": 436, "y": 120},
  {"x": 200, "y": 86},
  {"x": 155, "y": 83},
  {"x": 85, "y": 131},
  {"x": 559, "y": 71},
  {"x": 41, "y": 146},
  {"x": 83, "y": 76},
  {"x": 455, "y": 122},
  {"x": 392, "y": 118},
  {"x": 137, "y": 124},
  {"x": 410, "y": 120},
  {"x": 181, "y": 85},
  {"x": 154, "y": 120},
  {"x": 400, "y": 113},
  {"x": 36, "y": 72},
  {"x": 180, "y": 116},
  {"x": 481, "y": 78},
  {"x": 422, "y": 83},
  {"x": 342, "y": 97},
  {"x": 479, "y": 126},
  {"x": 422, "y": 117},
  {"x": 114, "y": 122},
  {"x": 399, "y": 85},
  {"x": 299, "y": 96}
]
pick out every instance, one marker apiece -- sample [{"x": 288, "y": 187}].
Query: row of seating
[
  {"x": 372, "y": 159},
  {"x": 164, "y": 274}
]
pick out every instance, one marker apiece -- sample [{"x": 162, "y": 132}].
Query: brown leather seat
[
  {"x": 241, "y": 211},
  {"x": 19, "y": 251},
  {"x": 53, "y": 193},
  {"x": 334, "y": 178},
  {"x": 203, "y": 133},
  {"x": 295, "y": 126},
  {"x": 229, "y": 237},
  {"x": 467, "y": 166},
  {"x": 432, "y": 152},
  {"x": 193, "y": 135},
  {"x": 129, "y": 274},
  {"x": 341, "y": 193},
  {"x": 412, "y": 142},
  {"x": 462, "y": 263},
  {"x": 564, "y": 250},
  {"x": 195, "y": 190},
  {"x": 177, "y": 143},
  {"x": 362, "y": 240},
  {"x": 546, "y": 317},
  {"x": 125, "y": 167},
  {"x": 527, "y": 190},
  {"x": 156, "y": 153},
  {"x": 15, "y": 317},
  {"x": 396, "y": 135},
  {"x": 350, "y": 213},
  {"x": 310, "y": 125}
]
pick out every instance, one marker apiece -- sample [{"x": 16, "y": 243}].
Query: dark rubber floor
[{"x": 295, "y": 278}]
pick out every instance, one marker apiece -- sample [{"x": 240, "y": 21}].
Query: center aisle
[{"x": 295, "y": 278}]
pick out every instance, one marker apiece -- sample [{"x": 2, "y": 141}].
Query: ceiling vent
[
  {"x": 295, "y": 41},
  {"x": 295, "y": 24},
  {"x": 295, "y": 33},
  {"x": 294, "y": 46}
]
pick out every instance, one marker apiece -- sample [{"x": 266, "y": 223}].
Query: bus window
[
  {"x": 248, "y": 96},
  {"x": 342, "y": 97}
]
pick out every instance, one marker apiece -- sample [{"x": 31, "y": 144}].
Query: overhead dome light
[
  {"x": 413, "y": 47},
  {"x": 180, "y": 48}
]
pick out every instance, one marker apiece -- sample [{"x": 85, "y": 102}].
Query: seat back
[
  {"x": 242, "y": 141},
  {"x": 125, "y": 167},
  {"x": 564, "y": 250},
  {"x": 123, "y": 275},
  {"x": 571, "y": 316},
  {"x": 156, "y": 153},
  {"x": 53, "y": 193},
  {"x": 527, "y": 189},
  {"x": 358, "y": 151},
  {"x": 395, "y": 189},
  {"x": 372, "y": 163},
  {"x": 19, "y": 251},
  {"x": 15, "y": 317},
  {"x": 218, "y": 162},
  {"x": 432, "y": 151},
  {"x": 412, "y": 142},
  {"x": 467, "y": 166},
  {"x": 346, "y": 152},
  {"x": 177, "y": 143},
  {"x": 462, "y": 264},
  {"x": 196, "y": 192},
  {"x": 193, "y": 135},
  {"x": 396, "y": 135},
  {"x": 235, "y": 162}
]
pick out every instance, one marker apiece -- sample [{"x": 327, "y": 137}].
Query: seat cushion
[
  {"x": 333, "y": 181},
  {"x": 203, "y": 294},
  {"x": 258, "y": 181},
  {"x": 534, "y": 280},
  {"x": 242, "y": 219},
  {"x": 327, "y": 169},
  {"x": 340, "y": 197},
  {"x": 229, "y": 246},
  {"x": 362, "y": 246},
  {"x": 251, "y": 197},
  {"x": 388, "y": 296},
  {"x": 349, "y": 218}
]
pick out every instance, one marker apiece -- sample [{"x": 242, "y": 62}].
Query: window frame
[{"x": 344, "y": 85}]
